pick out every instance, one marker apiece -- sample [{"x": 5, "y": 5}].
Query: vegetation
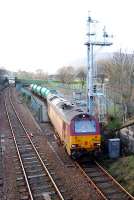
[
  {"x": 66, "y": 74},
  {"x": 120, "y": 87},
  {"x": 30, "y": 81},
  {"x": 38, "y": 74},
  {"x": 113, "y": 122}
]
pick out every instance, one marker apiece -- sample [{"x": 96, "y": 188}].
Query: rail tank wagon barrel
[
  {"x": 34, "y": 88},
  {"x": 47, "y": 92},
  {"x": 38, "y": 90},
  {"x": 43, "y": 92},
  {"x": 31, "y": 86}
]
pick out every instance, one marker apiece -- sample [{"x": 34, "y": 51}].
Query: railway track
[
  {"x": 106, "y": 186},
  {"x": 34, "y": 179}
]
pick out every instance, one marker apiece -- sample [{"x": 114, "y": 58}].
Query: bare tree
[
  {"x": 66, "y": 74},
  {"x": 22, "y": 74},
  {"x": 103, "y": 67},
  {"x": 81, "y": 74},
  {"x": 120, "y": 72},
  {"x": 40, "y": 74}
]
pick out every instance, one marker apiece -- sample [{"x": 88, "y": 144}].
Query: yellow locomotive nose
[{"x": 87, "y": 142}]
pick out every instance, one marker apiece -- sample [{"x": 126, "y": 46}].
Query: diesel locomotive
[{"x": 77, "y": 130}]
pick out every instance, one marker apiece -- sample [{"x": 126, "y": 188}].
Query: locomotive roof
[{"x": 67, "y": 110}]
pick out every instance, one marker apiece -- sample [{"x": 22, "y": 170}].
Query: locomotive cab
[{"x": 84, "y": 135}]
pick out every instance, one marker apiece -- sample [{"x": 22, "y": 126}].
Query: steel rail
[
  {"x": 39, "y": 157},
  {"x": 112, "y": 178},
  {"x": 92, "y": 182},
  {"x": 130, "y": 197},
  {"x": 18, "y": 153}
]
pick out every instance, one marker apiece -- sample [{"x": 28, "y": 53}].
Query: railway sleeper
[
  {"x": 27, "y": 153},
  {"x": 118, "y": 196},
  {"x": 40, "y": 181},
  {"x": 34, "y": 171},
  {"x": 52, "y": 173},
  {"x": 39, "y": 193},
  {"x": 40, "y": 187},
  {"x": 33, "y": 166},
  {"x": 41, "y": 190},
  {"x": 101, "y": 180},
  {"x": 51, "y": 194},
  {"x": 105, "y": 185},
  {"x": 19, "y": 178},
  {"x": 94, "y": 175},
  {"x": 31, "y": 162},
  {"x": 21, "y": 183},
  {"x": 29, "y": 158},
  {"x": 19, "y": 173},
  {"x": 24, "y": 197},
  {"x": 90, "y": 170},
  {"x": 111, "y": 191},
  {"x": 28, "y": 150},
  {"x": 22, "y": 189},
  {"x": 23, "y": 145},
  {"x": 36, "y": 176}
]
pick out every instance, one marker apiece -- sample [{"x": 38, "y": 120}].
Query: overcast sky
[{"x": 49, "y": 34}]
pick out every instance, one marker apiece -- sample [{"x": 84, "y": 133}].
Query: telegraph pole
[{"x": 90, "y": 63}]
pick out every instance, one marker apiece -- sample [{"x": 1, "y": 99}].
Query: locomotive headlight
[
  {"x": 97, "y": 144},
  {"x": 73, "y": 145}
]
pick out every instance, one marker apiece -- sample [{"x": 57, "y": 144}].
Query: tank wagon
[{"x": 77, "y": 130}]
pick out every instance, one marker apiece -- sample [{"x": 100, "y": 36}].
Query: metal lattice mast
[{"x": 90, "y": 49}]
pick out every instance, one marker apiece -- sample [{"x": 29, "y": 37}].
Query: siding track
[{"x": 106, "y": 186}]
